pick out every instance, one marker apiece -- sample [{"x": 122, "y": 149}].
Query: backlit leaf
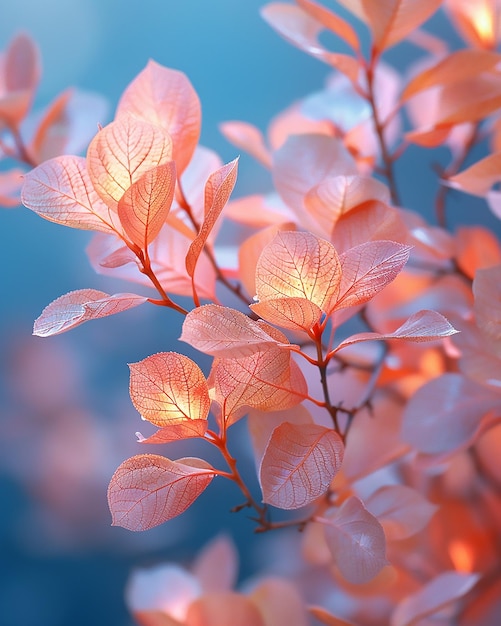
[
  {"x": 249, "y": 138},
  {"x": 299, "y": 463},
  {"x": 177, "y": 430},
  {"x": 292, "y": 313},
  {"x": 356, "y": 541},
  {"x": 77, "y": 307},
  {"x": 479, "y": 177},
  {"x": 166, "y": 387},
  {"x": 147, "y": 490},
  {"x": 165, "y": 97},
  {"x": 122, "y": 152},
  {"x": 145, "y": 205},
  {"x": 61, "y": 191},
  {"x": 332, "y": 22}
]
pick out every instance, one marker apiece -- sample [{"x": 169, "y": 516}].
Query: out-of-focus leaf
[
  {"x": 327, "y": 618},
  {"x": 487, "y": 293},
  {"x": 332, "y": 22},
  {"x": 439, "y": 593},
  {"x": 356, "y": 541},
  {"x": 476, "y": 21},
  {"x": 51, "y": 136},
  {"x": 147, "y": 490},
  {"x": 477, "y": 248},
  {"x": 249, "y": 138},
  {"x": 279, "y": 602},
  {"x": 224, "y": 609},
  {"x": 167, "y": 386},
  {"x": 479, "y": 177},
  {"x": 10, "y": 187},
  {"x": 216, "y": 566},
  {"x": 165, "y": 97},
  {"x": 77, "y": 307},
  {"x": 298, "y": 464}
]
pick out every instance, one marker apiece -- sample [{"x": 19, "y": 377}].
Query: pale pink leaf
[
  {"x": 61, "y": 191},
  {"x": 147, "y": 490},
  {"x": 166, "y": 387},
  {"x": 77, "y": 307},
  {"x": 249, "y": 138},
  {"x": 356, "y": 541},
  {"x": 224, "y": 609},
  {"x": 177, "y": 430},
  {"x": 367, "y": 269},
  {"x": 401, "y": 510},
  {"x": 298, "y": 265},
  {"x": 165, "y": 97},
  {"x": 487, "y": 307},
  {"x": 122, "y": 152},
  {"x": 299, "y": 464},
  {"x": 217, "y": 192},
  {"x": 279, "y": 602},
  {"x": 11, "y": 182},
  {"x": 421, "y": 326},
  {"x": 327, "y": 618},
  {"x": 259, "y": 211},
  {"x": 292, "y": 313},
  {"x": 21, "y": 74},
  {"x": 221, "y": 331},
  {"x": 445, "y": 414},
  {"x": 216, "y": 566},
  {"x": 479, "y": 177},
  {"x": 431, "y": 598},
  {"x": 145, "y": 205},
  {"x": 332, "y": 22},
  {"x": 51, "y": 136}
]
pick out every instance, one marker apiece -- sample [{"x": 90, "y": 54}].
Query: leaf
[
  {"x": 216, "y": 566},
  {"x": 479, "y": 177},
  {"x": 145, "y": 205},
  {"x": 476, "y": 248},
  {"x": 487, "y": 307},
  {"x": 445, "y": 414},
  {"x": 217, "y": 192},
  {"x": 292, "y": 313},
  {"x": 367, "y": 269},
  {"x": 421, "y": 326},
  {"x": 148, "y": 490},
  {"x": 454, "y": 67},
  {"x": 10, "y": 187},
  {"x": 401, "y": 510},
  {"x": 299, "y": 464},
  {"x": 332, "y": 22},
  {"x": 327, "y": 618},
  {"x": 434, "y": 596},
  {"x": 166, "y": 387},
  {"x": 122, "y": 152},
  {"x": 356, "y": 541},
  {"x": 249, "y": 138},
  {"x": 223, "y": 332},
  {"x": 166, "y": 98},
  {"x": 298, "y": 265},
  {"x": 475, "y": 21},
  {"x": 77, "y": 307},
  {"x": 177, "y": 430},
  {"x": 51, "y": 135},
  {"x": 61, "y": 191},
  {"x": 302, "y": 30},
  {"x": 279, "y": 602},
  {"x": 223, "y": 609}
]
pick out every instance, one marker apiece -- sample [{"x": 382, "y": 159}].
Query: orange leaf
[
  {"x": 166, "y": 98},
  {"x": 332, "y": 22},
  {"x": 10, "y": 187},
  {"x": 327, "y": 618},
  {"x": 248, "y": 138},
  {"x": 298, "y": 265},
  {"x": 177, "y": 430},
  {"x": 122, "y": 152},
  {"x": 223, "y": 609},
  {"x": 77, "y": 307},
  {"x": 60, "y": 191},
  {"x": 299, "y": 464},
  {"x": 217, "y": 192},
  {"x": 487, "y": 307},
  {"x": 147, "y": 490},
  {"x": 166, "y": 387},
  {"x": 479, "y": 177},
  {"x": 292, "y": 313},
  {"x": 145, "y": 205},
  {"x": 51, "y": 135}
]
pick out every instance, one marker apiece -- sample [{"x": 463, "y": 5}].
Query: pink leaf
[
  {"x": 165, "y": 97},
  {"x": 10, "y": 187},
  {"x": 279, "y": 602},
  {"x": 299, "y": 464},
  {"x": 479, "y": 177},
  {"x": 122, "y": 152},
  {"x": 442, "y": 591},
  {"x": 332, "y": 22},
  {"x": 60, "y": 191},
  {"x": 217, "y": 192},
  {"x": 77, "y": 307},
  {"x": 487, "y": 307},
  {"x": 445, "y": 414},
  {"x": 167, "y": 386},
  {"x": 216, "y": 566},
  {"x": 177, "y": 430},
  {"x": 248, "y": 138},
  {"x": 402, "y": 511},
  {"x": 327, "y": 618},
  {"x": 51, "y": 136},
  {"x": 356, "y": 541},
  {"x": 292, "y": 313},
  {"x": 367, "y": 269},
  {"x": 145, "y": 205},
  {"x": 147, "y": 490},
  {"x": 224, "y": 609},
  {"x": 222, "y": 332}
]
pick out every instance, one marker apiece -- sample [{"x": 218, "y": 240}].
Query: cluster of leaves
[{"x": 368, "y": 439}]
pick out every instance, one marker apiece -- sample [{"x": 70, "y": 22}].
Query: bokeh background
[{"x": 66, "y": 421}]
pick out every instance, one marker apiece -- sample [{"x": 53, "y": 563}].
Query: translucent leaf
[
  {"x": 51, "y": 136},
  {"x": 445, "y": 414},
  {"x": 479, "y": 177},
  {"x": 421, "y": 326},
  {"x": 122, "y": 152},
  {"x": 299, "y": 464},
  {"x": 216, "y": 566},
  {"x": 327, "y": 618},
  {"x": 223, "y": 332},
  {"x": 401, "y": 510},
  {"x": 279, "y": 602},
  {"x": 298, "y": 265},
  {"x": 332, "y": 22},
  {"x": 292, "y": 313},
  {"x": 475, "y": 20},
  {"x": 145, "y": 205},
  {"x": 167, "y": 386},
  {"x": 165, "y": 97},
  {"x": 487, "y": 292},
  {"x": 217, "y": 192},
  {"x": 476, "y": 248},
  {"x": 356, "y": 541},
  {"x": 434, "y": 596},
  {"x": 77, "y": 307},
  {"x": 224, "y": 609},
  {"x": 367, "y": 269},
  {"x": 249, "y": 138},
  {"x": 302, "y": 30},
  {"x": 10, "y": 187},
  {"x": 147, "y": 490},
  {"x": 177, "y": 430},
  {"x": 60, "y": 191}
]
